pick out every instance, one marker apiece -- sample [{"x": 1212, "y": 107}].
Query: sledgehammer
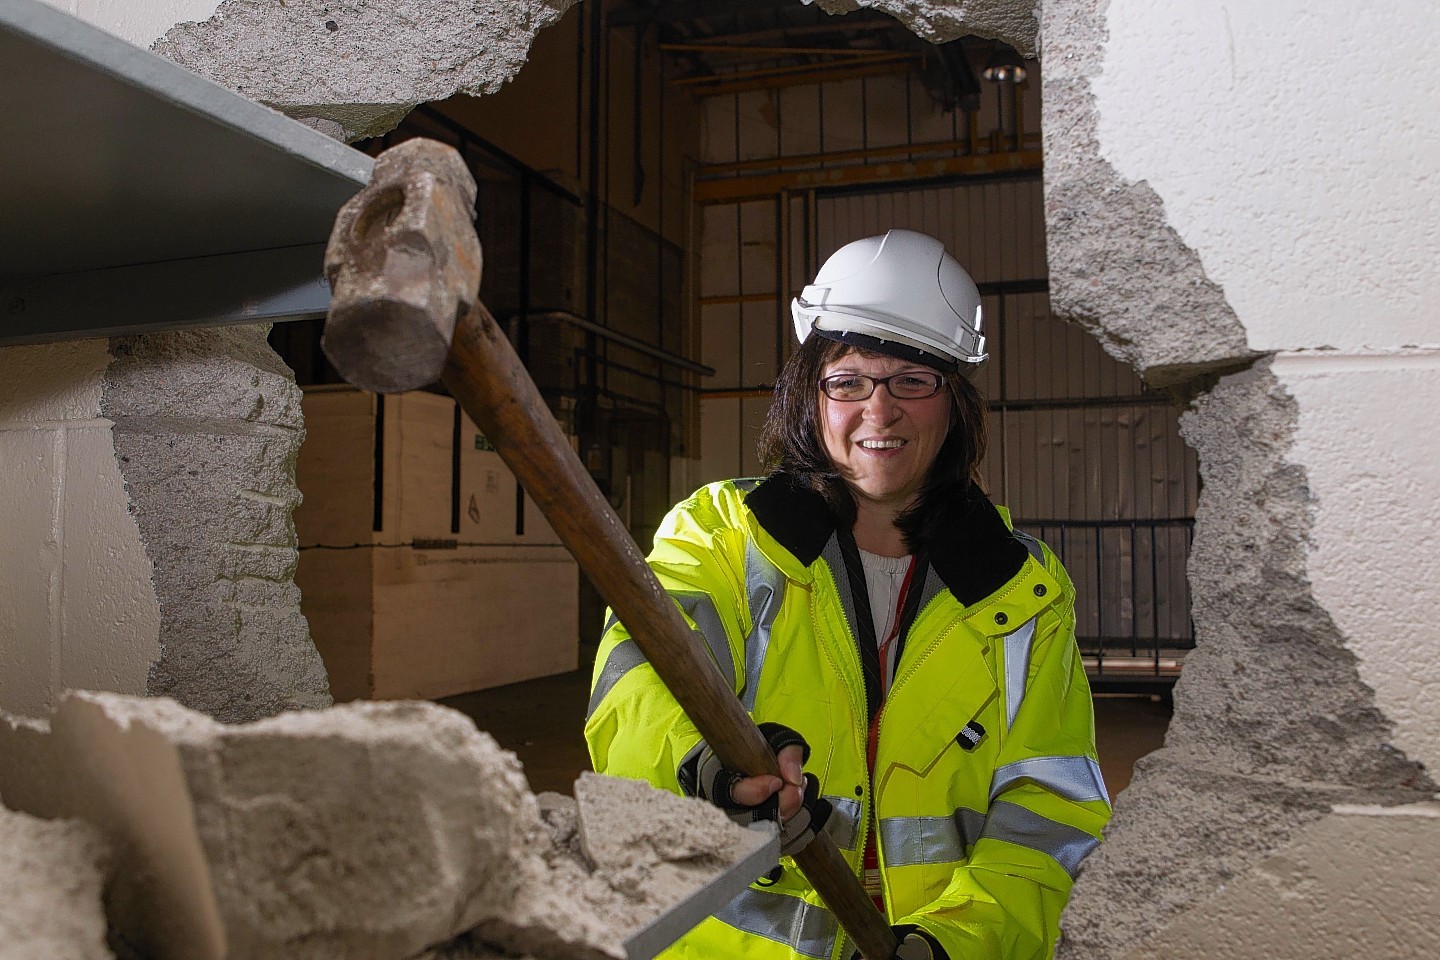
[{"x": 404, "y": 267}]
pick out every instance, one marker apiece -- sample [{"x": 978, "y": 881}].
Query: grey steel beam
[
  {"x": 254, "y": 287},
  {"x": 129, "y": 178}
]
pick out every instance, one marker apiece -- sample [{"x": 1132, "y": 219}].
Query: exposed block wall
[
  {"x": 77, "y": 605},
  {"x": 207, "y": 428}
]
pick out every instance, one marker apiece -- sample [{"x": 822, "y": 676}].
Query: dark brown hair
[{"x": 791, "y": 439}]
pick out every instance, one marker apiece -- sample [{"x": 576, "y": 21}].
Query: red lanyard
[{"x": 896, "y": 623}]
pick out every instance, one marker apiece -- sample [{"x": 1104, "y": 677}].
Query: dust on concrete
[
  {"x": 374, "y": 831},
  {"x": 358, "y": 68},
  {"x": 51, "y": 874},
  {"x": 1273, "y": 725},
  {"x": 208, "y": 425}
]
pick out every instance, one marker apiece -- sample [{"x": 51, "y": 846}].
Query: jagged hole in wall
[{"x": 688, "y": 179}]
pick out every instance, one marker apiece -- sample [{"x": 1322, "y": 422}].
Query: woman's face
[{"x": 883, "y": 447}]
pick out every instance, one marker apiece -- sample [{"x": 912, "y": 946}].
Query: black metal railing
[{"x": 1132, "y": 604}]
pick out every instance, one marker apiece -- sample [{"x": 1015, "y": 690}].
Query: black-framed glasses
[{"x": 911, "y": 385}]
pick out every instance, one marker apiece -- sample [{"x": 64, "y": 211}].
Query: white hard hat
[{"x": 900, "y": 294}]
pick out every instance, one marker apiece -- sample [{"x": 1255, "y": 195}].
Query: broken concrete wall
[
  {"x": 356, "y": 69},
  {"x": 1211, "y": 199},
  {"x": 369, "y": 830},
  {"x": 207, "y": 430},
  {"x": 156, "y": 557},
  {"x": 148, "y": 485},
  {"x": 51, "y": 874},
  {"x": 77, "y": 607},
  {"x": 1213, "y": 195}
]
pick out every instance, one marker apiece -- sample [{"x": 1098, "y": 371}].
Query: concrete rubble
[
  {"x": 383, "y": 831},
  {"x": 51, "y": 873}
]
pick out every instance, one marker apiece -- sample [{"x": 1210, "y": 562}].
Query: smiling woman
[
  {"x": 910, "y": 658},
  {"x": 882, "y": 445}
]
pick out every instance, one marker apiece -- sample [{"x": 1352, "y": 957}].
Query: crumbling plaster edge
[
  {"x": 1084, "y": 196},
  {"x": 1124, "y": 273},
  {"x": 1366, "y": 477}
]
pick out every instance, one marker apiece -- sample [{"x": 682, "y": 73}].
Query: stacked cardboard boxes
[{"x": 424, "y": 570}]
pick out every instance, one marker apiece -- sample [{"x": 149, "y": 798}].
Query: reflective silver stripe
[
  {"x": 836, "y": 562},
  {"x": 1036, "y": 550},
  {"x": 1016, "y": 824},
  {"x": 610, "y": 622},
  {"x": 933, "y": 586},
  {"x": 844, "y": 823},
  {"x": 692, "y": 756},
  {"x": 1074, "y": 778},
  {"x": 747, "y": 484},
  {"x": 808, "y": 929},
  {"x": 624, "y": 657},
  {"x": 1017, "y": 668},
  {"x": 700, "y": 607},
  {"x": 764, "y": 589},
  {"x": 907, "y": 841}
]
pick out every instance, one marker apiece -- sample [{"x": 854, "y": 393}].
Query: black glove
[
  {"x": 702, "y": 775},
  {"x": 913, "y": 944}
]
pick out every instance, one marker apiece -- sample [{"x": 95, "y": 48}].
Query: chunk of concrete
[
  {"x": 369, "y": 830},
  {"x": 51, "y": 876},
  {"x": 628, "y": 824},
  {"x": 623, "y": 871},
  {"x": 380, "y": 831}
]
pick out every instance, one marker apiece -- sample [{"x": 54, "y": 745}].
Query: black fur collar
[{"x": 968, "y": 544}]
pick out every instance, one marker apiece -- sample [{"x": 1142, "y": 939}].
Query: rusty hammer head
[{"x": 403, "y": 262}]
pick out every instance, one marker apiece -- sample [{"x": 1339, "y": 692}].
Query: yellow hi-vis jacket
[{"x": 979, "y": 842}]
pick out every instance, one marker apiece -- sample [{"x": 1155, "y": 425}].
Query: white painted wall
[
  {"x": 141, "y": 22},
  {"x": 1367, "y": 441},
  {"x": 77, "y": 608},
  {"x": 77, "y": 605},
  {"x": 1296, "y": 147}
]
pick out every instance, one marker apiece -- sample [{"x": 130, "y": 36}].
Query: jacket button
[
  {"x": 1001, "y": 619},
  {"x": 859, "y": 791},
  {"x": 1039, "y": 589}
]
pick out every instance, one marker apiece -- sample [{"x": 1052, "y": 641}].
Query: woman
[{"x": 877, "y": 615}]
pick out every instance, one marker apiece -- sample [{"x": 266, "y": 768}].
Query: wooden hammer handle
[{"x": 494, "y": 388}]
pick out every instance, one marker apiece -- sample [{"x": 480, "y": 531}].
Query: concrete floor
[{"x": 542, "y": 720}]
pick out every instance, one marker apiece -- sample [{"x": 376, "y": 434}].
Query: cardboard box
[{"x": 424, "y": 571}]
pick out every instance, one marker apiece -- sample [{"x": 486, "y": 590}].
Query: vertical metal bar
[
  {"x": 660, "y": 227},
  {"x": 820, "y": 114},
  {"x": 1134, "y": 593},
  {"x": 909, "y": 114},
  {"x": 1003, "y": 387},
  {"x": 1100, "y": 604},
  {"x": 581, "y": 45},
  {"x": 812, "y": 235},
  {"x": 1017, "y": 114},
  {"x": 782, "y": 274},
  {"x": 587, "y": 414},
  {"x": 739, "y": 320},
  {"x": 522, "y": 335},
  {"x": 1155, "y": 591},
  {"x": 864, "y": 114},
  {"x": 378, "y": 491},
  {"x": 455, "y": 472},
  {"x": 637, "y": 117}
]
